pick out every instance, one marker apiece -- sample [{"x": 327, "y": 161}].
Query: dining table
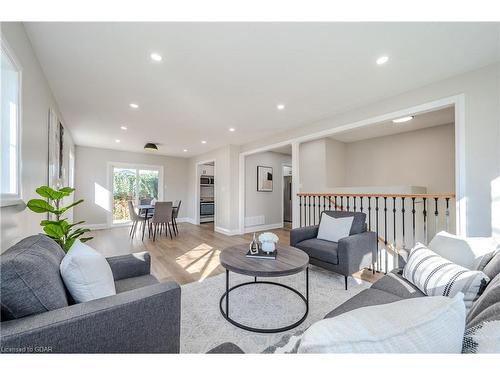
[{"x": 145, "y": 209}]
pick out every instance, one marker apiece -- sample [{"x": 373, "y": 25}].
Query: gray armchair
[
  {"x": 345, "y": 257},
  {"x": 143, "y": 317}
]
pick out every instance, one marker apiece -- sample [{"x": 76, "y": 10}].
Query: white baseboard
[
  {"x": 227, "y": 232},
  {"x": 94, "y": 226},
  {"x": 260, "y": 228},
  {"x": 186, "y": 220}
]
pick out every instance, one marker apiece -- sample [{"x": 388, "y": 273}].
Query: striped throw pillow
[{"x": 437, "y": 276}]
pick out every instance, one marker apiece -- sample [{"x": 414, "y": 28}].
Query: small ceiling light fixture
[
  {"x": 280, "y": 107},
  {"x": 382, "y": 60},
  {"x": 185, "y": 150},
  {"x": 156, "y": 57},
  {"x": 117, "y": 140},
  {"x": 150, "y": 147},
  {"x": 204, "y": 142},
  {"x": 232, "y": 129},
  {"x": 123, "y": 127},
  {"x": 403, "y": 119},
  {"x": 133, "y": 105}
]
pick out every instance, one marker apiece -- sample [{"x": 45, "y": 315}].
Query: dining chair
[
  {"x": 135, "y": 218},
  {"x": 161, "y": 218},
  {"x": 175, "y": 213}
]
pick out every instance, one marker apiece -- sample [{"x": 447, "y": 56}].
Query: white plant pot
[{"x": 268, "y": 246}]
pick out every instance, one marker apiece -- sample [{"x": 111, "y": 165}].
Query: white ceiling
[
  {"x": 420, "y": 121},
  {"x": 220, "y": 75}
]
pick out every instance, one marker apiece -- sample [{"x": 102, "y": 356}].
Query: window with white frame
[{"x": 10, "y": 167}]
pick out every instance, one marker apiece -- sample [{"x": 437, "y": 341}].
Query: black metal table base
[{"x": 225, "y": 297}]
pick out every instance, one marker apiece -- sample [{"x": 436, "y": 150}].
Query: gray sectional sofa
[
  {"x": 393, "y": 287},
  {"x": 38, "y": 314}
]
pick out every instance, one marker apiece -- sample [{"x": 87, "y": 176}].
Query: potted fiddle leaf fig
[{"x": 60, "y": 230}]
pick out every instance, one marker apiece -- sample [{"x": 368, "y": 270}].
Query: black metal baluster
[
  {"x": 329, "y": 203},
  {"x": 394, "y": 228},
  {"x": 324, "y": 202},
  {"x": 385, "y": 232},
  {"x": 314, "y": 210},
  {"x": 319, "y": 208},
  {"x": 361, "y": 204},
  {"x": 403, "y": 214},
  {"x": 436, "y": 213},
  {"x": 341, "y": 203},
  {"x": 300, "y": 210},
  {"x": 413, "y": 218},
  {"x": 335, "y": 203},
  {"x": 354, "y": 198},
  {"x": 370, "y": 214},
  {"x": 348, "y": 202},
  {"x": 377, "y": 231},
  {"x": 447, "y": 214},
  {"x": 425, "y": 220},
  {"x": 308, "y": 210}
]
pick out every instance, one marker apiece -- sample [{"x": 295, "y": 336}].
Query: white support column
[{"x": 295, "y": 184}]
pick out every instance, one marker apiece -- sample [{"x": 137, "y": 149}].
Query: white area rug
[{"x": 259, "y": 305}]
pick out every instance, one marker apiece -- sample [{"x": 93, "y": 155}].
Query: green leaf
[
  {"x": 78, "y": 223},
  {"x": 66, "y": 190},
  {"x": 68, "y": 244},
  {"x": 48, "y": 192},
  {"x": 64, "y": 209},
  {"x": 45, "y": 222},
  {"x": 53, "y": 230},
  {"x": 40, "y": 206},
  {"x": 64, "y": 226},
  {"x": 78, "y": 232},
  {"x": 85, "y": 239}
]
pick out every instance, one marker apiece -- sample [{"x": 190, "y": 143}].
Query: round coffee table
[{"x": 289, "y": 261}]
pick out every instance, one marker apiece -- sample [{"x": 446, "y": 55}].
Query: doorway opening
[
  {"x": 205, "y": 177},
  {"x": 287, "y": 197}
]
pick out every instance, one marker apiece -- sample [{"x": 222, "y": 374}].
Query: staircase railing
[{"x": 400, "y": 220}]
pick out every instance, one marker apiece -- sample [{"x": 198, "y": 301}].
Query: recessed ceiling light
[
  {"x": 117, "y": 140},
  {"x": 185, "y": 150},
  {"x": 123, "y": 127},
  {"x": 156, "y": 56},
  {"x": 232, "y": 129},
  {"x": 403, "y": 119},
  {"x": 382, "y": 60},
  {"x": 203, "y": 142},
  {"x": 133, "y": 105},
  {"x": 280, "y": 107}
]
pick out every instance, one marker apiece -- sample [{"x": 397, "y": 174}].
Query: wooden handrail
[{"x": 430, "y": 195}]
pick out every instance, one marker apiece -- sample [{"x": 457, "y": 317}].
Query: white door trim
[{"x": 458, "y": 101}]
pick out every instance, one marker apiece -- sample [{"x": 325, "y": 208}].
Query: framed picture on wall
[{"x": 264, "y": 178}]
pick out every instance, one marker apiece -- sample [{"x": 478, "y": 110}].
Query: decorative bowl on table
[{"x": 268, "y": 242}]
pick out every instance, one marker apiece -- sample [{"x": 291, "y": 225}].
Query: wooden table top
[{"x": 289, "y": 261}]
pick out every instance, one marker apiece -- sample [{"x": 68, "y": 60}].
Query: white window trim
[
  {"x": 15, "y": 199},
  {"x": 111, "y": 165}
]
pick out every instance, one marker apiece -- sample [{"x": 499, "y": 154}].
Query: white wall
[
  {"x": 226, "y": 187},
  {"x": 92, "y": 168},
  {"x": 423, "y": 157},
  {"x": 18, "y": 222},
  {"x": 482, "y": 117},
  {"x": 268, "y": 205}
]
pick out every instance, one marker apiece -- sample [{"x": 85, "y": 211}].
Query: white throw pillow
[
  {"x": 469, "y": 252},
  {"x": 437, "y": 276},
  {"x": 414, "y": 325},
  {"x": 333, "y": 229},
  {"x": 86, "y": 273}
]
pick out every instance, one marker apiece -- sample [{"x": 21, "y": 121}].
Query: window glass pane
[
  {"x": 148, "y": 184},
  {"x": 124, "y": 190},
  {"x": 10, "y": 125}
]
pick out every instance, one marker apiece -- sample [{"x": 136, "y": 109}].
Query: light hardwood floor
[{"x": 193, "y": 255}]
